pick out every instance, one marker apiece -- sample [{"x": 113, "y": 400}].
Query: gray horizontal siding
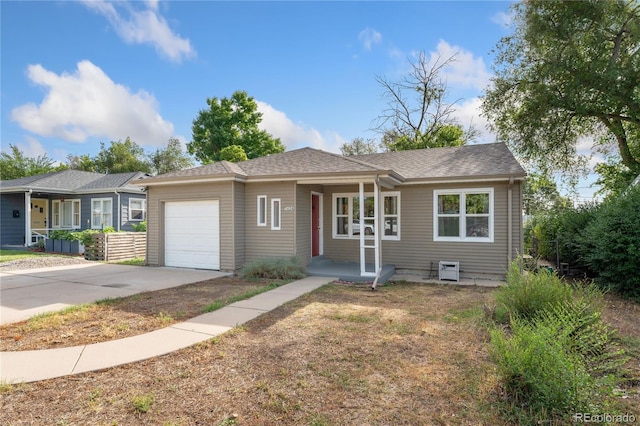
[
  {"x": 158, "y": 195},
  {"x": 417, "y": 250},
  {"x": 262, "y": 241},
  {"x": 12, "y": 228}
]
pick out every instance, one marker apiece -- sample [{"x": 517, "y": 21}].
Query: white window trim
[
  {"x": 462, "y": 192},
  {"x": 100, "y": 225},
  {"x": 276, "y": 213},
  {"x": 381, "y": 218},
  {"x": 144, "y": 209},
  {"x": 262, "y": 208},
  {"x": 58, "y": 224}
]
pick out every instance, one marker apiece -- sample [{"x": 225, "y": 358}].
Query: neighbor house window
[
  {"x": 65, "y": 214},
  {"x": 137, "y": 209},
  {"x": 101, "y": 213},
  {"x": 346, "y": 215},
  {"x": 275, "y": 214},
  {"x": 262, "y": 210},
  {"x": 463, "y": 215}
]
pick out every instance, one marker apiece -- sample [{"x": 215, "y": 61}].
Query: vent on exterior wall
[{"x": 449, "y": 271}]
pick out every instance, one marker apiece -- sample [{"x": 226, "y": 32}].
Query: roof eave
[
  {"x": 464, "y": 179},
  {"x": 180, "y": 180}
]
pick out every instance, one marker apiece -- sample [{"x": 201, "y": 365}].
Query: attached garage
[{"x": 192, "y": 234}]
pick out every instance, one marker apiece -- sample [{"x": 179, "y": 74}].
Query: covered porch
[{"x": 347, "y": 271}]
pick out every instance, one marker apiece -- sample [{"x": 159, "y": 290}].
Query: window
[
  {"x": 275, "y": 214},
  {"x": 101, "y": 213},
  {"x": 346, "y": 215},
  {"x": 66, "y": 214},
  {"x": 463, "y": 215},
  {"x": 137, "y": 209},
  {"x": 262, "y": 210}
]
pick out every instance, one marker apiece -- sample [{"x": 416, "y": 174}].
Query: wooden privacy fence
[{"x": 116, "y": 246}]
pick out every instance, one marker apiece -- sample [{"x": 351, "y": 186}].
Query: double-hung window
[
  {"x": 137, "y": 209},
  {"x": 463, "y": 215},
  {"x": 65, "y": 214},
  {"x": 101, "y": 213},
  {"x": 346, "y": 215}
]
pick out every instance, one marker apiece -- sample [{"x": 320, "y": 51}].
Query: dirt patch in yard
[
  {"x": 342, "y": 355},
  {"x": 122, "y": 317}
]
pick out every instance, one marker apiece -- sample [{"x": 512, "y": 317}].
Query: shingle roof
[
  {"x": 473, "y": 161},
  {"x": 73, "y": 181},
  {"x": 493, "y": 159}
]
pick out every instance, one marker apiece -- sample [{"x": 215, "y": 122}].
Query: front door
[
  {"x": 315, "y": 224},
  {"x": 39, "y": 212}
]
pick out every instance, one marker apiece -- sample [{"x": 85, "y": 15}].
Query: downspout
[
  {"x": 119, "y": 211},
  {"x": 27, "y": 218},
  {"x": 510, "y": 221}
]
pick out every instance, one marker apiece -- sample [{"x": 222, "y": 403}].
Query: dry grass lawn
[{"x": 342, "y": 355}]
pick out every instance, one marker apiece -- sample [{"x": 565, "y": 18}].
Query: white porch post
[
  {"x": 27, "y": 218},
  {"x": 363, "y": 255},
  {"x": 376, "y": 225}
]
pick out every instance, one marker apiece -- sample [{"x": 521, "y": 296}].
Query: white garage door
[{"x": 192, "y": 234}]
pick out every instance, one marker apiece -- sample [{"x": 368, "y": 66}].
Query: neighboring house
[
  {"x": 455, "y": 204},
  {"x": 70, "y": 199}
]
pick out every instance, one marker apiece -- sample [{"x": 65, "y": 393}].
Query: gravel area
[{"x": 41, "y": 262}]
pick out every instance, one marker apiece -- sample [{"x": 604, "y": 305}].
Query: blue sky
[{"x": 78, "y": 73}]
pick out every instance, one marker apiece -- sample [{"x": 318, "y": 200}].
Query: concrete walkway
[{"x": 31, "y": 366}]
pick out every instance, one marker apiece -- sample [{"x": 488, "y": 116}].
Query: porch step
[{"x": 346, "y": 271}]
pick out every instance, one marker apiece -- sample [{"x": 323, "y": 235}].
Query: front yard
[{"x": 342, "y": 355}]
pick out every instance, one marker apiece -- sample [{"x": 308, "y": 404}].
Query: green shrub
[
  {"x": 610, "y": 244},
  {"x": 140, "y": 227},
  {"x": 539, "y": 373},
  {"x": 277, "y": 268},
  {"x": 527, "y": 294}
]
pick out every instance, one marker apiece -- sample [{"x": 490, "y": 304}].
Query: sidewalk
[{"x": 31, "y": 366}]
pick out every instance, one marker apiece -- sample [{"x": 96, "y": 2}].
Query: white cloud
[
  {"x": 369, "y": 37},
  {"x": 89, "y": 104},
  {"x": 294, "y": 135},
  {"x": 503, "y": 19},
  {"x": 145, "y": 26},
  {"x": 465, "y": 70},
  {"x": 467, "y": 113}
]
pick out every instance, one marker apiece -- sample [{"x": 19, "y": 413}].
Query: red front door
[{"x": 315, "y": 225}]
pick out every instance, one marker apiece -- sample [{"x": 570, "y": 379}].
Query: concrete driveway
[{"x": 30, "y": 292}]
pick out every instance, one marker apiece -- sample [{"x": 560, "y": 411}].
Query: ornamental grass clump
[{"x": 276, "y": 268}]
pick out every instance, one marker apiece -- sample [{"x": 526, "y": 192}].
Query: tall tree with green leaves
[
  {"x": 169, "y": 159},
  {"x": 231, "y": 121},
  {"x": 359, "y": 146},
  {"x": 569, "y": 73},
  {"x": 15, "y": 165},
  {"x": 419, "y": 113},
  {"x": 121, "y": 157},
  {"x": 82, "y": 162}
]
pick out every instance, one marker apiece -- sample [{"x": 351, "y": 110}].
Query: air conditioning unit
[{"x": 449, "y": 271}]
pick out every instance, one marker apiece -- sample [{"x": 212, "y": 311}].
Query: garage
[{"x": 192, "y": 234}]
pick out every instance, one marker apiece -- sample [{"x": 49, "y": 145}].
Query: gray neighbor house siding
[
  {"x": 292, "y": 177},
  {"x": 66, "y": 185}
]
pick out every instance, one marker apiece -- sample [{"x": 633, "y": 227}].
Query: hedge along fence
[{"x": 116, "y": 246}]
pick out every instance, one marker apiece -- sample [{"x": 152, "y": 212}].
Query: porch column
[
  {"x": 377, "y": 225},
  {"x": 27, "y": 218},
  {"x": 363, "y": 254},
  {"x": 376, "y": 236}
]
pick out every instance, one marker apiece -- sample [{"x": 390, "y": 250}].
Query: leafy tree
[
  {"x": 446, "y": 135},
  {"x": 540, "y": 194},
  {"x": 82, "y": 162},
  {"x": 359, "y": 146},
  {"x": 418, "y": 114},
  {"x": 169, "y": 159},
  {"x": 233, "y": 153},
  {"x": 231, "y": 121},
  {"x": 570, "y": 70},
  {"x": 15, "y": 165},
  {"x": 121, "y": 157}
]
